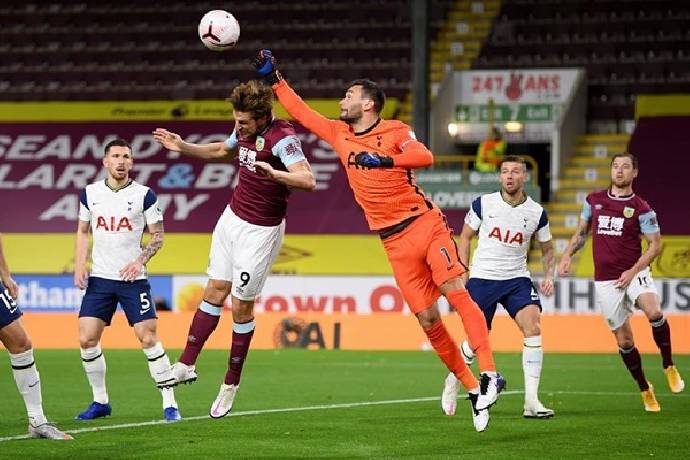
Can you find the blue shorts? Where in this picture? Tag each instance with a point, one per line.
(9, 311)
(102, 296)
(514, 294)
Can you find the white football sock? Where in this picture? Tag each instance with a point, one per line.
(159, 367)
(532, 357)
(94, 366)
(29, 385)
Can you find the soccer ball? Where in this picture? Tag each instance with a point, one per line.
(219, 30)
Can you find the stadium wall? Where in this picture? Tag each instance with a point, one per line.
(346, 312)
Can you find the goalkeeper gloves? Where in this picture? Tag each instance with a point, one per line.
(373, 160)
(265, 65)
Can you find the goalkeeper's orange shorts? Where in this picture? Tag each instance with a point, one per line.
(423, 255)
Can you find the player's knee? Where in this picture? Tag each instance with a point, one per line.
(427, 318)
(625, 342)
(654, 314)
(242, 310)
(148, 340)
(86, 341)
(20, 345)
(216, 291)
(531, 330)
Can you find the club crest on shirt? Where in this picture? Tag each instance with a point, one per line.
(260, 143)
(628, 212)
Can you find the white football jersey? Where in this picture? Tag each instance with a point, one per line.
(117, 219)
(504, 233)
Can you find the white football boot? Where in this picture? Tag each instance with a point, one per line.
(490, 385)
(223, 403)
(480, 418)
(183, 373)
(449, 397)
(48, 431)
(535, 409)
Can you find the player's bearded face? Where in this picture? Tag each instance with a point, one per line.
(351, 105)
(118, 161)
(622, 172)
(513, 176)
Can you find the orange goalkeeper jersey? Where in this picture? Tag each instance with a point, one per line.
(387, 195)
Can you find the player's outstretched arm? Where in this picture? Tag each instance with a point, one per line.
(548, 261)
(174, 142)
(81, 275)
(651, 253)
(132, 270)
(265, 65)
(413, 154)
(6, 276)
(576, 243)
(298, 175)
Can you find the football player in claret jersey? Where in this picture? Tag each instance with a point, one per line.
(14, 338)
(116, 211)
(617, 219)
(379, 157)
(506, 221)
(249, 234)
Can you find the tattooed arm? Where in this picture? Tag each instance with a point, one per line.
(132, 270)
(576, 243)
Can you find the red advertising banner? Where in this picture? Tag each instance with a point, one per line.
(43, 167)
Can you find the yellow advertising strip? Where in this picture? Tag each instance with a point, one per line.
(53, 253)
(662, 105)
(103, 111)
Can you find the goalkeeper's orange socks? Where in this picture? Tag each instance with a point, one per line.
(448, 351)
(204, 323)
(475, 327)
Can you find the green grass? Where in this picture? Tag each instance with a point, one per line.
(598, 409)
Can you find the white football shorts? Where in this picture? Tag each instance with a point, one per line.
(243, 253)
(617, 304)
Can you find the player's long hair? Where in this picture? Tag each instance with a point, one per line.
(253, 97)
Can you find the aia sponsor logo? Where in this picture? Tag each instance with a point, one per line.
(113, 224)
(506, 236)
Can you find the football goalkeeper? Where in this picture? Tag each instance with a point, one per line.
(379, 157)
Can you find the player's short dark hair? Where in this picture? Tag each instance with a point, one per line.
(371, 90)
(513, 159)
(253, 97)
(116, 143)
(632, 157)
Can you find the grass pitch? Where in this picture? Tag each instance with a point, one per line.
(299, 403)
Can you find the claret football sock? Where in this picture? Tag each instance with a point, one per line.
(475, 327)
(204, 323)
(662, 337)
(242, 334)
(633, 361)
